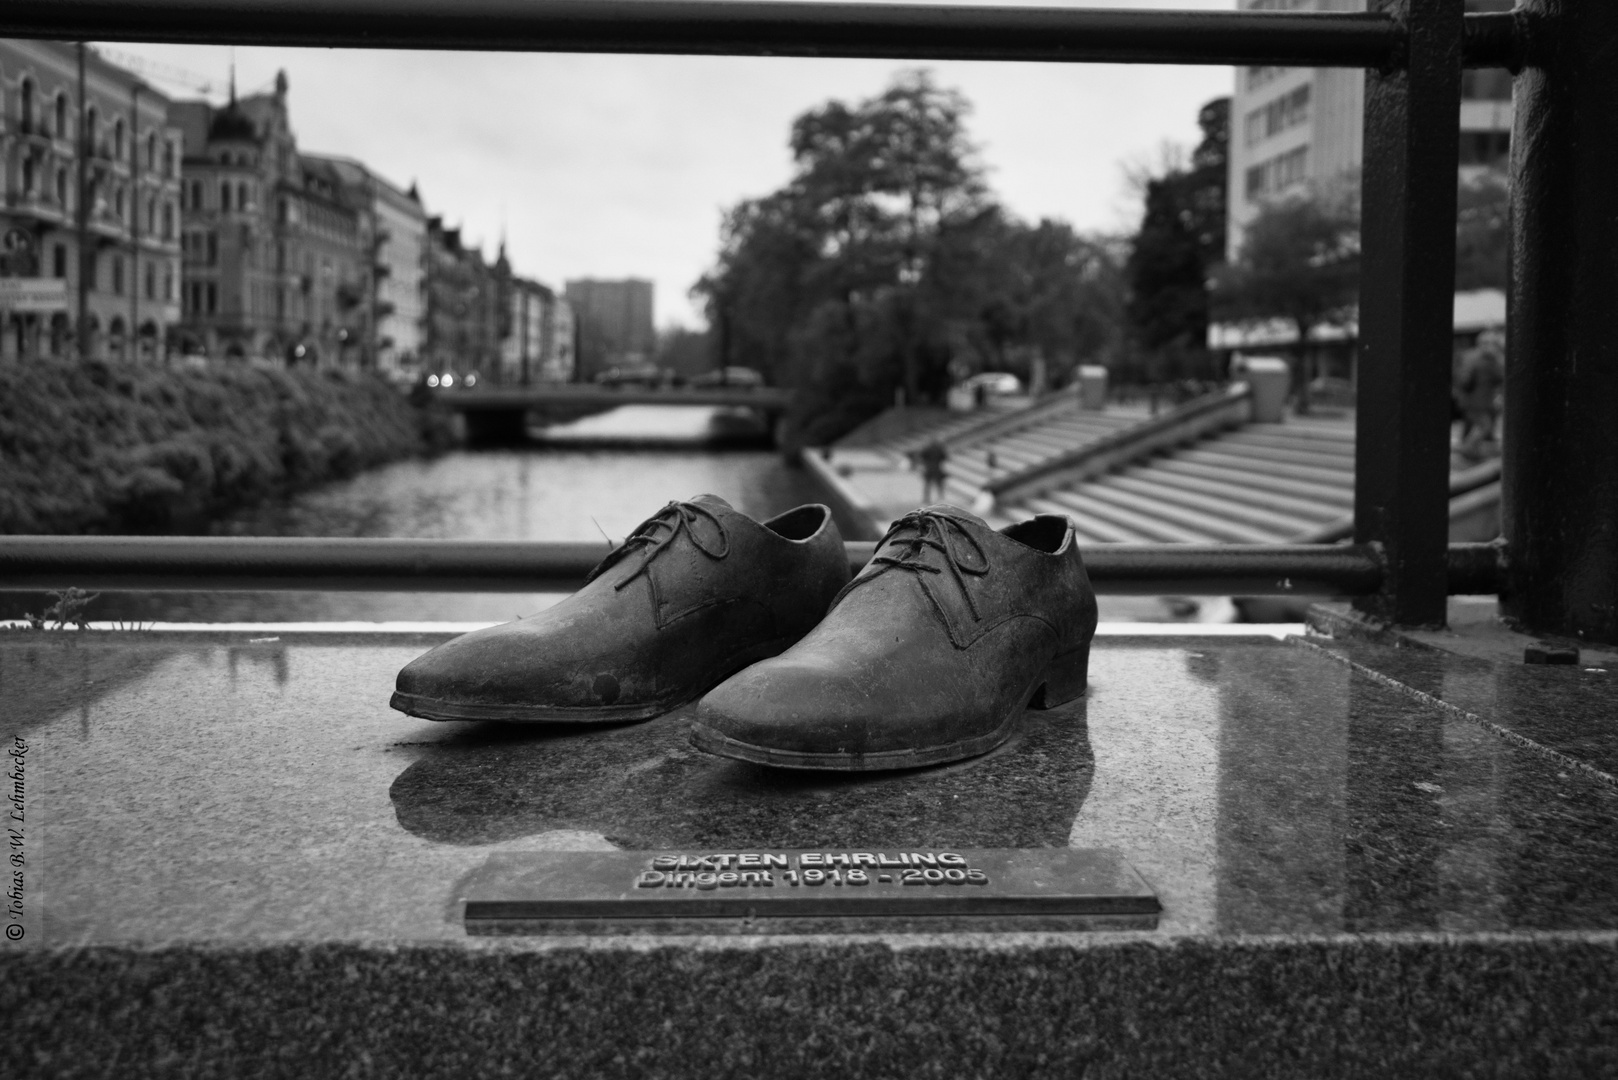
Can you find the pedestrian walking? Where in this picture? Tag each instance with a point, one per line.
(932, 458)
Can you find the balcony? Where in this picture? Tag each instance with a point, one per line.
(36, 205)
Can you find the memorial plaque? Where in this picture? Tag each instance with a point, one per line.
(797, 884)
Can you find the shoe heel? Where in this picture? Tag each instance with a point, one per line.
(1065, 679)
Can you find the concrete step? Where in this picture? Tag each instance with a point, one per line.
(1230, 503)
(1147, 526)
(1089, 528)
(1239, 488)
(1211, 454)
(1234, 446)
(1291, 444)
(1338, 494)
(1200, 524)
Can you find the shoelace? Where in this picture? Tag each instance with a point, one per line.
(933, 530)
(676, 516)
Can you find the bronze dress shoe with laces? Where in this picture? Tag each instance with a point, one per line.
(929, 655)
(697, 592)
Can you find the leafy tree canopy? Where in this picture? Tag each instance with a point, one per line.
(885, 263)
(1180, 242)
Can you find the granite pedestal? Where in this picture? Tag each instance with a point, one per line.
(1371, 859)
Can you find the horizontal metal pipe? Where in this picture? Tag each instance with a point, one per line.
(251, 563)
(729, 27)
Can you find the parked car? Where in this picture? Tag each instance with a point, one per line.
(631, 375)
(729, 376)
(994, 383)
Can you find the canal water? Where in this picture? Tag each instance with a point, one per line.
(585, 481)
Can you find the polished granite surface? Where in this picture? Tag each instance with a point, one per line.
(217, 788)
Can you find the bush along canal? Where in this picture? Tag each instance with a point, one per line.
(113, 448)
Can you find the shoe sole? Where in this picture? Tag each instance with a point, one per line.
(428, 708)
(438, 709)
(1064, 680)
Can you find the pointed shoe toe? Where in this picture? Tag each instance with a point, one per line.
(697, 592)
(929, 655)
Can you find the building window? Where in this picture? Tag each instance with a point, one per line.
(168, 221)
(118, 275)
(27, 105)
(60, 109)
(168, 159)
(213, 248)
(196, 194)
(213, 298)
(224, 195)
(151, 151)
(118, 203)
(118, 140)
(27, 175)
(1277, 174)
(151, 282)
(59, 261)
(1287, 111)
(90, 119)
(61, 188)
(241, 195)
(168, 285)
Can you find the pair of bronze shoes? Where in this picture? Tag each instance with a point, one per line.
(928, 655)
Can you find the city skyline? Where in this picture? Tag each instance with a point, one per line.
(621, 165)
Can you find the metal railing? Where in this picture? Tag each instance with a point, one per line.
(1560, 471)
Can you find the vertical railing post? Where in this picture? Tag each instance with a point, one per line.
(1401, 478)
(1559, 473)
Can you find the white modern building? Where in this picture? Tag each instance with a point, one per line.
(1290, 126)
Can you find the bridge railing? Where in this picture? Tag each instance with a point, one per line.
(1560, 471)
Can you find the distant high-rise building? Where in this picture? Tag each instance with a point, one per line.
(1289, 126)
(614, 323)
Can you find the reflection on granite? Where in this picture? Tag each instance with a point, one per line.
(205, 788)
(645, 787)
(1570, 709)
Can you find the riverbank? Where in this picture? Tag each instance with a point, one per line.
(114, 448)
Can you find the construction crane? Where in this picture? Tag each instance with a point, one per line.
(153, 71)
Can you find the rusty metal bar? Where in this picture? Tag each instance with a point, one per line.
(750, 28)
(1407, 286)
(1560, 466)
(379, 565)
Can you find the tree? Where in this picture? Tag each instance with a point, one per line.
(1180, 242)
(1299, 261)
(1482, 230)
(857, 228)
(885, 264)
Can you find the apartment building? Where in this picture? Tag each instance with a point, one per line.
(89, 228)
(1290, 126)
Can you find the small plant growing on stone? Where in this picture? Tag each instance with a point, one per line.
(67, 607)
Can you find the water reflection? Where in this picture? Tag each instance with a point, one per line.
(576, 492)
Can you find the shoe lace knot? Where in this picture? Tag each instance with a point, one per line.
(656, 533)
(921, 531)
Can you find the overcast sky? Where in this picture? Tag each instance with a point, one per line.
(619, 166)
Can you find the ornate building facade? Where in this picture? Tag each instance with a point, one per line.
(89, 230)
(465, 318)
(393, 235)
(277, 244)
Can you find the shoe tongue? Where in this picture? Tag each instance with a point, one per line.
(713, 501)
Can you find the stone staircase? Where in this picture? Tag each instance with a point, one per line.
(1260, 483)
(979, 458)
